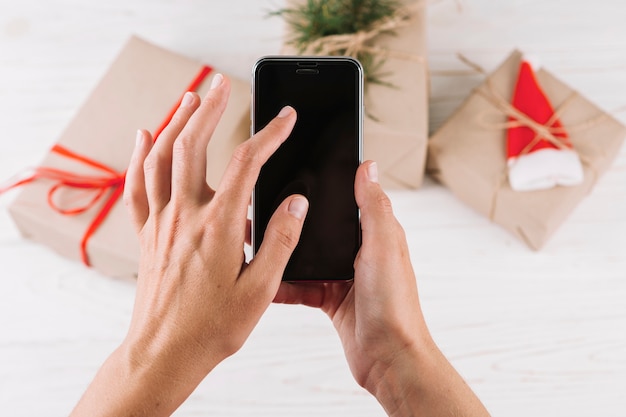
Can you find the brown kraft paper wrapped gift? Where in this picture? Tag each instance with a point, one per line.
(396, 137)
(470, 159)
(138, 91)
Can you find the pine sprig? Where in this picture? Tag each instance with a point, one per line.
(315, 19)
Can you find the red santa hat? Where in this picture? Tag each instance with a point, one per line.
(544, 165)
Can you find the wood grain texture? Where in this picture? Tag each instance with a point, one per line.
(535, 334)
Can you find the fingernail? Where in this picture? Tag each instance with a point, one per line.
(217, 81)
(285, 111)
(372, 172)
(138, 138)
(187, 99)
(298, 207)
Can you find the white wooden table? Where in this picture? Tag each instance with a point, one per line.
(535, 334)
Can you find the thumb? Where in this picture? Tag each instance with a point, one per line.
(375, 206)
(382, 234)
(280, 239)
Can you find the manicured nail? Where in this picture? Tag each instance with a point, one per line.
(217, 81)
(298, 207)
(187, 99)
(138, 138)
(285, 111)
(372, 172)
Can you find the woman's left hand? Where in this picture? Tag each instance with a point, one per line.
(197, 300)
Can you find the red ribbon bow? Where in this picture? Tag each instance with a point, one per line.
(109, 181)
(98, 184)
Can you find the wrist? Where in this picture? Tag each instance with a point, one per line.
(139, 381)
(421, 381)
(149, 383)
(127, 385)
(161, 353)
(397, 382)
(170, 366)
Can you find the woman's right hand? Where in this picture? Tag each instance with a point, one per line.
(379, 320)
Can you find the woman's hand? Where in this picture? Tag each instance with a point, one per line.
(378, 315)
(197, 300)
(379, 320)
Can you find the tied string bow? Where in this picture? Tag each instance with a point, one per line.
(108, 185)
(351, 44)
(550, 132)
(99, 185)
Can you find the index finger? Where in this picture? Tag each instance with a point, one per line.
(242, 171)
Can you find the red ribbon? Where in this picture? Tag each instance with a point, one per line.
(108, 181)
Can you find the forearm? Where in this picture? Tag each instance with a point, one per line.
(423, 383)
(130, 384)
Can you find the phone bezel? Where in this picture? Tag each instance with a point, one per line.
(361, 111)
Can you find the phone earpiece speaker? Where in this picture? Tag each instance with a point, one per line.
(307, 71)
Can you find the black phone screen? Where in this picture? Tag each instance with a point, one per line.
(318, 160)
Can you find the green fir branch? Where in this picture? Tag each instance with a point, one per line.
(315, 19)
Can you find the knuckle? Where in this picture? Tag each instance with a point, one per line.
(177, 122)
(212, 104)
(285, 238)
(177, 119)
(384, 203)
(151, 163)
(182, 143)
(180, 117)
(245, 154)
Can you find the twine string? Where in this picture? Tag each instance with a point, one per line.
(352, 44)
(553, 134)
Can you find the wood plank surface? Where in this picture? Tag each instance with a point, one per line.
(534, 333)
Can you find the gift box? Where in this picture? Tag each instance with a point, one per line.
(468, 155)
(396, 111)
(80, 213)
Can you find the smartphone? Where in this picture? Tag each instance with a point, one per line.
(318, 160)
